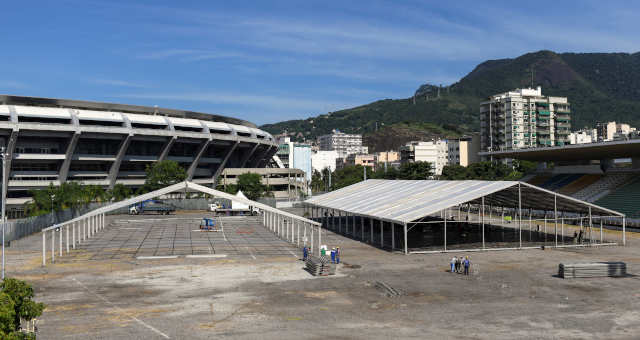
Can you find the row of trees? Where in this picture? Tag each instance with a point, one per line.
(158, 175)
(420, 170)
(73, 194)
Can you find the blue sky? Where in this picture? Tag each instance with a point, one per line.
(277, 60)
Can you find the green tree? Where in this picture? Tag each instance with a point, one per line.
(415, 170)
(120, 192)
(317, 181)
(250, 184)
(454, 172)
(162, 174)
(16, 303)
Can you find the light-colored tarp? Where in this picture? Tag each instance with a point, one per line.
(404, 201)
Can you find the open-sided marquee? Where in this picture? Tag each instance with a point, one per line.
(408, 201)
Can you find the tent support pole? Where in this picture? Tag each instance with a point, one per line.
(555, 216)
(406, 248)
(445, 233)
(520, 215)
(483, 245)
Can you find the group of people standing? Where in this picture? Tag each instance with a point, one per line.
(458, 264)
(335, 253)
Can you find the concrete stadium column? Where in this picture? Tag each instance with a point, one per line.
(362, 228)
(215, 176)
(115, 167)
(381, 233)
(10, 149)
(166, 148)
(64, 168)
(339, 221)
(605, 164)
(263, 160)
(73, 234)
(194, 165)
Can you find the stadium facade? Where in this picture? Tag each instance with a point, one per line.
(57, 140)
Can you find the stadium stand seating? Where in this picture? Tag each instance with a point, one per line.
(579, 184)
(538, 180)
(558, 181)
(604, 186)
(625, 199)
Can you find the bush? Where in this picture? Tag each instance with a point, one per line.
(15, 304)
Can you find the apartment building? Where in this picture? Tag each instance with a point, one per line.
(524, 118)
(344, 144)
(464, 151)
(434, 152)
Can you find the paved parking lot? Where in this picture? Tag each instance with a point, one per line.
(153, 236)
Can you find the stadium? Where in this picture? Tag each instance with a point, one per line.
(58, 140)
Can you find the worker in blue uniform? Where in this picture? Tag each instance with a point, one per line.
(305, 253)
(333, 255)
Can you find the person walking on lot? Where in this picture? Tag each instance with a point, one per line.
(454, 260)
(467, 263)
(338, 253)
(333, 255)
(458, 262)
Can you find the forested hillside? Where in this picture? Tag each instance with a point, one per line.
(599, 86)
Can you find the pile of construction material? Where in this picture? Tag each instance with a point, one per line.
(596, 269)
(320, 266)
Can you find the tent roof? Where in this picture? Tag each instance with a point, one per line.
(241, 194)
(404, 201)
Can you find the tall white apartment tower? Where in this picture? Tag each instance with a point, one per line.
(344, 144)
(523, 118)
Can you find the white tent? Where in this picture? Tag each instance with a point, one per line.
(239, 205)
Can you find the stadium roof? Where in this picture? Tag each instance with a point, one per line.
(101, 106)
(575, 152)
(404, 201)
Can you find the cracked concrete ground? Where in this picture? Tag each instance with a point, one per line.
(510, 294)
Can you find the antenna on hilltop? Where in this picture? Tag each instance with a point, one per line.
(532, 76)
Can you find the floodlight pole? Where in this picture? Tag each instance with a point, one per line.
(3, 154)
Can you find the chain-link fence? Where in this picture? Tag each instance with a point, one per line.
(27, 226)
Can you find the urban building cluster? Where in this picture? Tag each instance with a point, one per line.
(604, 132)
(517, 119)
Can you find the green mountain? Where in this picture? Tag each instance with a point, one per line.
(599, 86)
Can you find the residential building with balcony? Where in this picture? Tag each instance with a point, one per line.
(524, 118)
(343, 143)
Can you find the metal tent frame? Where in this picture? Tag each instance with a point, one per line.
(290, 227)
(404, 203)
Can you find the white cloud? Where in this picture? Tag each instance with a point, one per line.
(287, 103)
(115, 82)
(12, 84)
